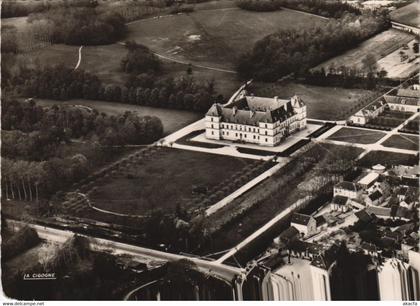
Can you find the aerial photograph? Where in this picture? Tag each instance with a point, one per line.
(210, 150)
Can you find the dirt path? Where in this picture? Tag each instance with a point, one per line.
(80, 58)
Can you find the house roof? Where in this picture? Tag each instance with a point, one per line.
(340, 200)
(378, 211)
(375, 196)
(303, 246)
(363, 215)
(401, 100)
(373, 106)
(348, 186)
(369, 178)
(320, 220)
(300, 219)
(409, 227)
(408, 92)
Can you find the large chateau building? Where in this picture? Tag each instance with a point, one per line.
(258, 120)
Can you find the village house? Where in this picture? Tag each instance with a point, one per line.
(402, 104)
(340, 203)
(257, 120)
(375, 198)
(305, 224)
(348, 189)
(404, 100)
(368, 180)
(369, 112)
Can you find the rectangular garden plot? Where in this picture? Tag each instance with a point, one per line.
(167, 179)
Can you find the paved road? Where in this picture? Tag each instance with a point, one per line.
(213, 268)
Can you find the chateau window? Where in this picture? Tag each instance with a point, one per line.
(245, 135)
(212, 126)
(265, 132)
(236, 134)
(212, 119)
(254, 136)
(212, 132)
(266, 140)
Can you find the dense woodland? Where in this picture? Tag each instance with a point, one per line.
(37, 158)
(260, 5)
(296, 51)
(335, 9)
(139, 59)
(24, 8)
(82, 25)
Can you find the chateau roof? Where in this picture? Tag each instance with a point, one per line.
(250, 117)
(251, 110)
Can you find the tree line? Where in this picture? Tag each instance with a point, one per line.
(81, 25)
(63, 83)
(334, 9)
(24, 8)
(260, 5)
(297, 50)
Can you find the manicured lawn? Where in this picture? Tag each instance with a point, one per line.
(326, 103)
(172, 120)
(412, 126)
(164, 180)
(403, 142)
(356, 136)
(388, 159)
(390, 118)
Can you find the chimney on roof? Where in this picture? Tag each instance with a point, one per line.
(234, 109)
(251, 113)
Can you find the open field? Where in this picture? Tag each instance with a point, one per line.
(380, 46)
(326, 103)
(409, 14)
(388, 159)
(172, 120)
(398, 67)
(214, 37)
(149, 184)
(356, 136)
(403, 142)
